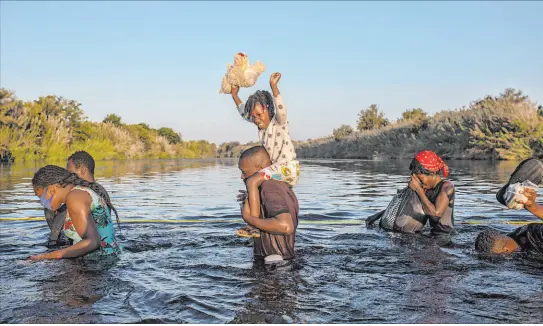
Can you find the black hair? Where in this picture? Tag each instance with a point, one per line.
(52, 174)
(252, 151)
(416, 167)
(82, 158)
(264, 98)
(486, 240)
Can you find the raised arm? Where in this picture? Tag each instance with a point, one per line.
(240, 106)
(235, 97)
(281, 108)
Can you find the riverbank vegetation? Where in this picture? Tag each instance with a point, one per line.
(52, 128)
(504, 127)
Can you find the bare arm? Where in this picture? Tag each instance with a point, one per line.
(240, 106)
(442, 202)
(235, 97)
(281, 108)
(254, 194)
(279, 224)
(78, 203)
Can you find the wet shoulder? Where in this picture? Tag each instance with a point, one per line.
(94, 198)
(78, 194)
(448, 187)
(269, 186)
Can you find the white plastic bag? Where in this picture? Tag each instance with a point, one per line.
(514, 199)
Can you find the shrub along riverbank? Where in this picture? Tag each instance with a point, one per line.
(504, 127)
(52, 128)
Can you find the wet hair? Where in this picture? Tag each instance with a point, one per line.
(253, 151)
(264, 98)
(82, 158)
(486, 240)
(416, 168)
(52, 174)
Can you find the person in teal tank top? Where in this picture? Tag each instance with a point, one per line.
(88, 219)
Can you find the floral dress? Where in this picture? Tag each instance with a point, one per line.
(101, 214)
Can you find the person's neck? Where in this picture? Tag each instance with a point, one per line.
(88, 178)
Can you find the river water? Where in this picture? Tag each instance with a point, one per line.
(198, 271)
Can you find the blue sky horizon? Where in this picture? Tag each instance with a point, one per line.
(161, 63)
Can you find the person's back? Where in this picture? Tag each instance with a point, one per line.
(82, 164)
(101, 215)
(277, 198)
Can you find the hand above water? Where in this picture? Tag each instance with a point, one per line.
(530, 203)
(530, 195)
(48, 255)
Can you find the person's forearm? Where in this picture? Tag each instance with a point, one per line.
(270, 225)
(536, 209)
(79, 249)
(254, 194)
(428, 207)
(236, 99)
(275, 90)
(254, 201)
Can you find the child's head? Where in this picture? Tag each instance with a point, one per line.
(253, 160)
(260, 108)
(82, 164)
(492, 242)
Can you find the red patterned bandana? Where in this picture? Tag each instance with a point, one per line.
(432, 162)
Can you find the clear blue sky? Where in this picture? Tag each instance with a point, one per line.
(162, 62)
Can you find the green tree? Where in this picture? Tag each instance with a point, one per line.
(172, 136)
(68, 111)
(540, 110)
(144, 126)
(371, 118)
(113, 119)
(414, 114)
(342, 132)
(10, 107)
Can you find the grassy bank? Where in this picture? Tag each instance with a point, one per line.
(52, 128)
(504, 127)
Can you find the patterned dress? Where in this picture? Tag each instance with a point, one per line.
(101, 214)
(276, 140)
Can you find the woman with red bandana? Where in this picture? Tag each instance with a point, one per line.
(436, 194)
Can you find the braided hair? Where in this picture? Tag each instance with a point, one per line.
(52, 174)
(264, 98)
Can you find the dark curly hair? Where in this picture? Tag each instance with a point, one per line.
(486, 240)
(416, 167)
(52, 174)
(82, 158)
(264, 98)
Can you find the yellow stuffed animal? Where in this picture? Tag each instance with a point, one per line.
(241, 74)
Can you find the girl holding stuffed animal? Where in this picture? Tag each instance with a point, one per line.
(269, 114)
